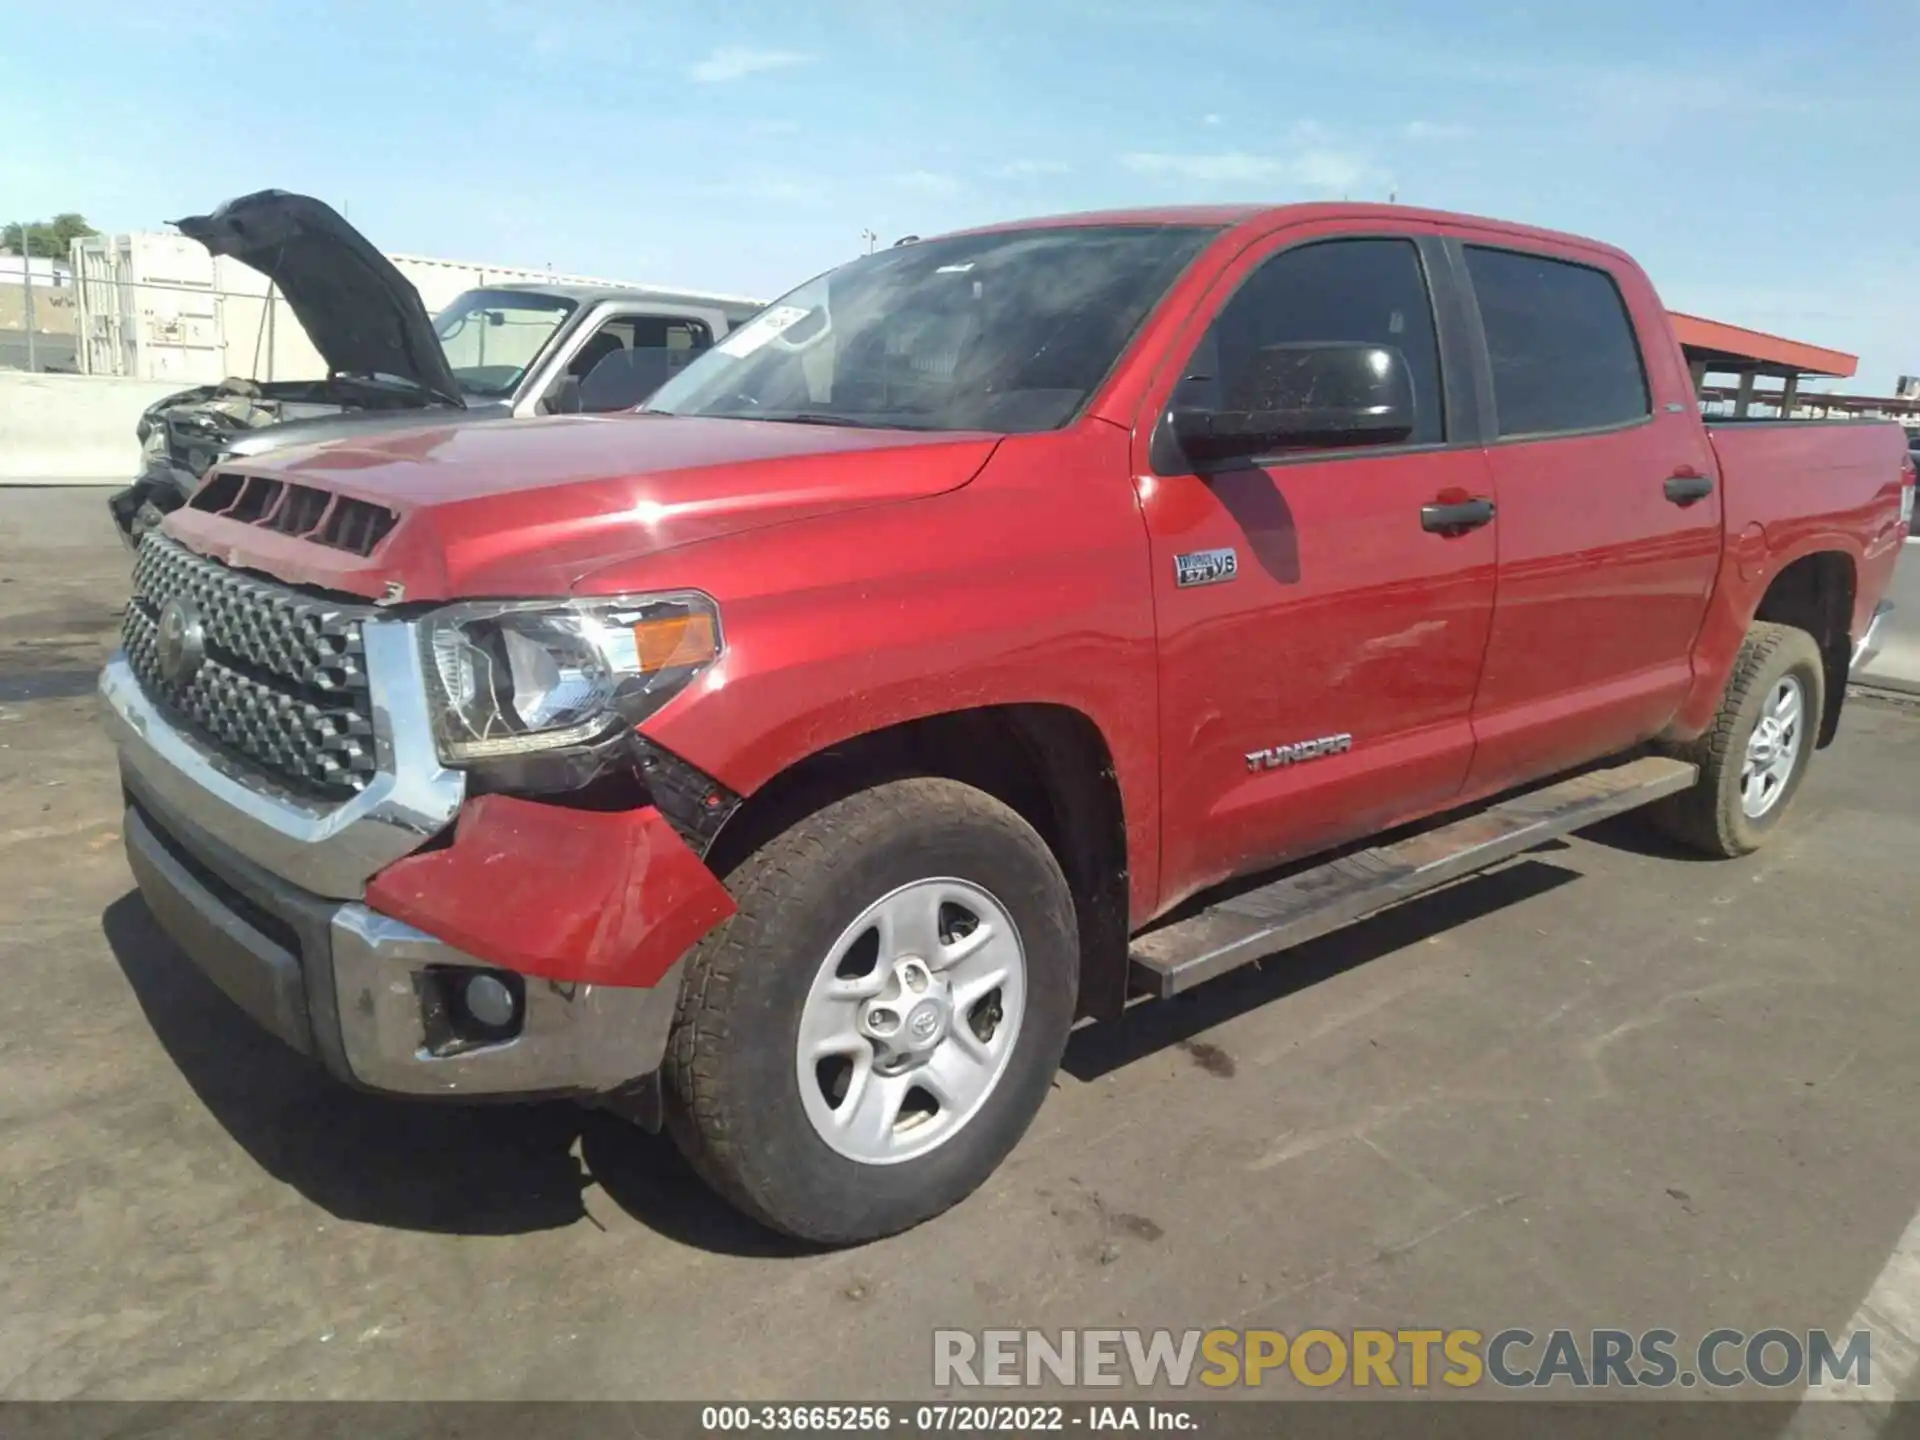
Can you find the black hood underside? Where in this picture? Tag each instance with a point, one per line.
(363, 315)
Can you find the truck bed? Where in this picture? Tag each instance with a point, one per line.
(1814, 484)
(1834, 472)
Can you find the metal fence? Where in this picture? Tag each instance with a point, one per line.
(108, 324)
(157, 306)
(148, 329)
(153, 305)
(37, 325)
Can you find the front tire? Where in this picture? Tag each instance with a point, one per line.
(872, 1032)
(1754, 755)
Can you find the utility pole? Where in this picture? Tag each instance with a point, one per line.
(26, 296)
(871, 239)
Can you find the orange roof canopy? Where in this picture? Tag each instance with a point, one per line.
(1732, 348)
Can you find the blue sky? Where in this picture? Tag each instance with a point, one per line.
(1757, 157)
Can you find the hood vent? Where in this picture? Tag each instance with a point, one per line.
(336, 521)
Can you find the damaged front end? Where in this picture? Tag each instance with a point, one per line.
(182, 435)
(384, 363)
(508, 926)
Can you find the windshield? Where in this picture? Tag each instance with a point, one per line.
(492, 336)
(1007, 332)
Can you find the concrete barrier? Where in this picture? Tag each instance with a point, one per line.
(72, 429)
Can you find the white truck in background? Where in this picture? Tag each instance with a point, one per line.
(497, 352)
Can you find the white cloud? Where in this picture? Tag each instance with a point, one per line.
(1435, 130)
(560, 31)
(1313, 168)
(1217, 168)
(1330, 170)
(1210, 119)
(1026, 169)
(927, 182)
(735, 62)
(795, 190)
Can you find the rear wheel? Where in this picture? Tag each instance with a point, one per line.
(860, 1046)
(1754, 755)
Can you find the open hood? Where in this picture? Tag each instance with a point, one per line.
(362, 315)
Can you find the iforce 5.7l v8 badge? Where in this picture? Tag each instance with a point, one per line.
(1205, 567)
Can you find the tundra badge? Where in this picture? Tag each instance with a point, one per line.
(1205, 567)
(1279, 756)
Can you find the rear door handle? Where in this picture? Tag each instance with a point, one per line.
(1685, 489)
(1455, 518)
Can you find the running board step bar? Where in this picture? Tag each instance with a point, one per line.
(1256, 923)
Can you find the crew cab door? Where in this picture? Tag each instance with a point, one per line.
(1609, 510)
(1300, 596)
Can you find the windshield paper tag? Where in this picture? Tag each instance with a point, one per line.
(762, 328)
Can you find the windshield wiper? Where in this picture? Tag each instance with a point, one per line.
(816, 417)
(821, 417)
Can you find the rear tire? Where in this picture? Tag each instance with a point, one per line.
(840, 902)
(1754, 755)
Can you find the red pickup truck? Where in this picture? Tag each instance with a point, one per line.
(997, 627)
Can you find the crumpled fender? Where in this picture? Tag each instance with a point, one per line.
(602, 898)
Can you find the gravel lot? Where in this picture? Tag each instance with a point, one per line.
(1602, 1086)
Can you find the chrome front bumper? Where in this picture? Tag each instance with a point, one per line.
(1868, 645)
(330, 850)
(263, 892)
(345, 985)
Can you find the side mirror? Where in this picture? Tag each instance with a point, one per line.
(1297, 396)
(565, 399)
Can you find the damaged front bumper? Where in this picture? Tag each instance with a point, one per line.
(328, 930)
(161, 489)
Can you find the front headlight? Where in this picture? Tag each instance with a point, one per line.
(508, 677)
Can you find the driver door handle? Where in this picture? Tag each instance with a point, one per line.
(1456, 518)
(1687, 487)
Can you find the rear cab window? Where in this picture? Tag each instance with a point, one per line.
(1561, 343)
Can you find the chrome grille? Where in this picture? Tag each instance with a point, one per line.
(283, 683)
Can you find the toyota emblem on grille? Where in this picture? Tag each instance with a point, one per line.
(183, 642)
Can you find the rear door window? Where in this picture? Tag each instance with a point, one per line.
(1564, 354)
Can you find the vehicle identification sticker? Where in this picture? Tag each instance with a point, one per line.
(762, 328)
(1205, 567)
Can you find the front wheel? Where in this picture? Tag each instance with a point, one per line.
(1754, 755)
(861, 1045)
